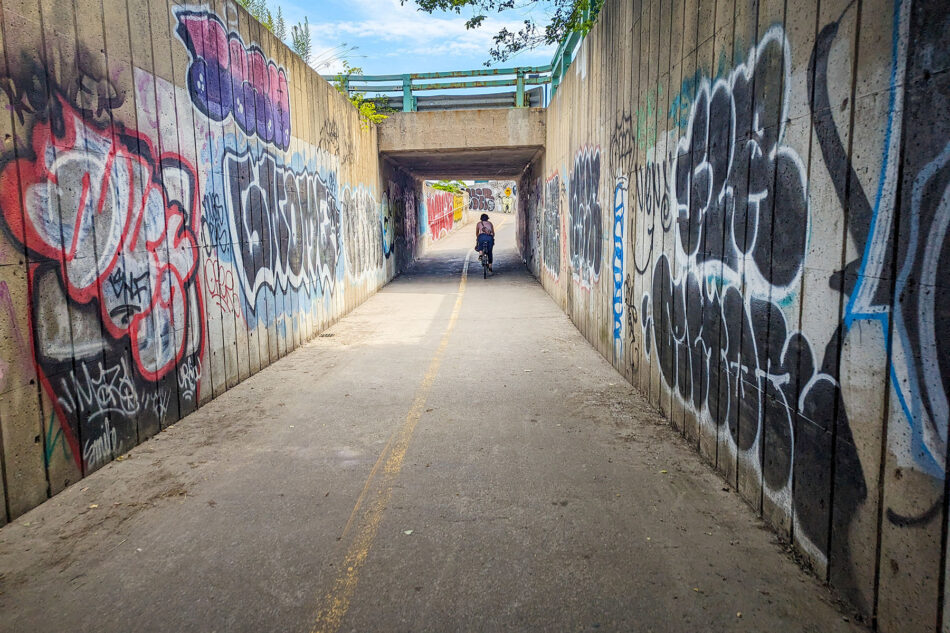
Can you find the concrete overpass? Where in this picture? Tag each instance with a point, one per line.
(464, 144)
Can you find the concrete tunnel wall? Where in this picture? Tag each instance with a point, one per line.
(744, 204)
(182, 203)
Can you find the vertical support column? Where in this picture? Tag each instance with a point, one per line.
(408, 101)
(519, 95)
(565, 62)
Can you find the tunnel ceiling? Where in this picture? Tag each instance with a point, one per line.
(493, 163)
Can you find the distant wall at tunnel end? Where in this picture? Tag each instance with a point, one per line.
(745, 207)
(444, 212)
(175, 215)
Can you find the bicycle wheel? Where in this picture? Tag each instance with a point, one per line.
(485, 268)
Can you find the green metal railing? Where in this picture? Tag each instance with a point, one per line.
(408, 83)
(520, 77)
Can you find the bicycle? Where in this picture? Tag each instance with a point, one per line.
(483, 258)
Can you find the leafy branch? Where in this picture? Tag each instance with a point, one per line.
(564, 17)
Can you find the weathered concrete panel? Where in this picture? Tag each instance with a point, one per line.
(463, 143)
(462, 129)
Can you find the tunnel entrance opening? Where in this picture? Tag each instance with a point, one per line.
(451, 205)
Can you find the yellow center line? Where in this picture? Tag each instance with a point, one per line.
(337, 602)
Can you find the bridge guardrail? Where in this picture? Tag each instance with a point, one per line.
(520, 77)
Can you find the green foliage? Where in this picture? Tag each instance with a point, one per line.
(300, 40)
(452, 186)
(280, 26)
(369, 110)
(258, 9)
(566, 17)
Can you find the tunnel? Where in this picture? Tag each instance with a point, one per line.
(254, 376)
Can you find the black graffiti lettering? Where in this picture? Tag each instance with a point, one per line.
(586, 223)
(134, 289)
(713, 318)
(623, 142)
(362, 232)
(652, 182)
(551, 228)
(286, 226)
(481, 199)
(215, 224)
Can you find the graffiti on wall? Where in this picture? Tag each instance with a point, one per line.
(387, 217)
(620, 210)
(585, 218)
(623, 142)
(226, 78)
(551, 226)
(410, 214)
(285, 225)
(110, 224)
(652, 181)
(897, 279)
(713, 317)
(142, 222)
(493, 195)
(362, 230)
(481, 198)
(440, 208)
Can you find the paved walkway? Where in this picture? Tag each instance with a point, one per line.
(454, 457)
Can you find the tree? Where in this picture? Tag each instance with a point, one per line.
(563, 17)
(258, 9)
(300, 40)
(452, 186)
(280, 27)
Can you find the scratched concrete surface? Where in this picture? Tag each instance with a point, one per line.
(542, 494)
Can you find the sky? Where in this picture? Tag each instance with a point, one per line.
(391, 38)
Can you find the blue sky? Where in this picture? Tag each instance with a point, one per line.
(393, 38)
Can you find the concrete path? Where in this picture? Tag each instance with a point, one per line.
(450, 457)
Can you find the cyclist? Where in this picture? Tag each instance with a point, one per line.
(485, 237)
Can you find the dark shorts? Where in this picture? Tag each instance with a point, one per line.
(485, 244)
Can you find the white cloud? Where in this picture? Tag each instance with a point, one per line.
(403, 30)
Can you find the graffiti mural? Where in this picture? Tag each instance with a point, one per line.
(410, 214)
(388, 219)
(481, 199)
(362, 232)
(653, 208)
(440, 208)
(226, 78)
(912, 249)
(623, 142)
(585, 218)
(620, 210)
(160, 241)
(285, 225)
(713, 318)
(551, 226)
(111, 225)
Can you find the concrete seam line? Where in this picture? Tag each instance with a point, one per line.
(337, 601)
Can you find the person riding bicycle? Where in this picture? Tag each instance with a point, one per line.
(485, 237)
